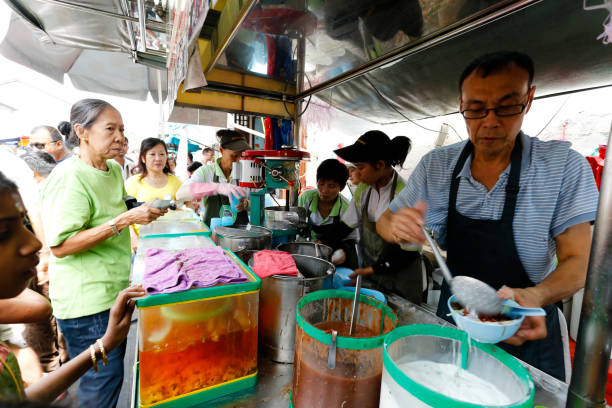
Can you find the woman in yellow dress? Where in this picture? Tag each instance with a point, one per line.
(154, 180)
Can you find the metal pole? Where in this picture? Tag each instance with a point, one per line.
(592, 358)
(297, 122)
(151, 25)
(142, 16)
(126, 8)
(221, 47)
(161, 104)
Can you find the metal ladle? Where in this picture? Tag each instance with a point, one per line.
(473, 294)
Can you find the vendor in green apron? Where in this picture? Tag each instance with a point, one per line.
(387, 265)
(511, 210)
(325, 208)
(212, 182)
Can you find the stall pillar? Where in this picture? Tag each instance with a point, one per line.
(592, 358)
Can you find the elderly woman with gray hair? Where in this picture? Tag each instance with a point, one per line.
(86, 226)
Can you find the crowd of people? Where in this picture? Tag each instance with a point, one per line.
(511, 210)
(66, 301)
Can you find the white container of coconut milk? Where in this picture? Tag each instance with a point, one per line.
(435, 366)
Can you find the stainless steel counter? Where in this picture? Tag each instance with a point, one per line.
(274, 380)
(274, 384)
(550, 392)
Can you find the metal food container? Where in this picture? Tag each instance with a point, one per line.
(307, 248)
(240, 238)
(279, 219)
(278, 299)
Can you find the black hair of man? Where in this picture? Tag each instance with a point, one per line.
(190, 156)
(207, 150)
(53, 132)
(495, 62)
(332, 169)
(194, 166)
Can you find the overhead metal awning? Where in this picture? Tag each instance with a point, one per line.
(383, 60)
(558, 34)
(106, 25)
(387, 61)
(94, 42)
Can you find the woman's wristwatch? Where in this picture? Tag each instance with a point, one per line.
(113, 226)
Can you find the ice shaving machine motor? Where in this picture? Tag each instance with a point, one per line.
(264, 171)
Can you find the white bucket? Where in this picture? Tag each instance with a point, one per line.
(445, 345)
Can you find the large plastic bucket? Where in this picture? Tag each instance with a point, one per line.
(417, 343)
(354, 379)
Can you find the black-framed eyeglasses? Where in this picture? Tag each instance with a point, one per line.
(500, 111)
(41, 146)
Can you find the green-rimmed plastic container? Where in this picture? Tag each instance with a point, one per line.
(198, 345)
(169, 242)
(354, 380)
(166, 228)
(421, 342)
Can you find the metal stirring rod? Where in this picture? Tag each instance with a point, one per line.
(355, 310)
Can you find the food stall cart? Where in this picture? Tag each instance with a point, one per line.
(274, 380)
(269, 58)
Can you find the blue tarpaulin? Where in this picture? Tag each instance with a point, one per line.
(193, 146)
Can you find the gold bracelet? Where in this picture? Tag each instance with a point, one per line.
(101, 347)
(92, 352)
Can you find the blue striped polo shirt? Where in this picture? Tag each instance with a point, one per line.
(557, 190)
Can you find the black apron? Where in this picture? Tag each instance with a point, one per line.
(323, 230)
(485, 250)
(407, 280)
(213, 207)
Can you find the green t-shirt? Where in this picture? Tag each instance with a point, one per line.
(311, 198)
(77, 197)
(11, 384)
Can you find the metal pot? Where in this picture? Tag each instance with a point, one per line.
(278, 218)
(307, 248)
(239, 238)
(278, 299)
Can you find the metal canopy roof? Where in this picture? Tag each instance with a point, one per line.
(558, 34)
(95, 42)
(371, 58)
(377, 58)
(107, 25)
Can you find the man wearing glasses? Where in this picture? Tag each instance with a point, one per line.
(48, 138)
(510, 209)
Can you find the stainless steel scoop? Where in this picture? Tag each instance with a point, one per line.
(473, 294)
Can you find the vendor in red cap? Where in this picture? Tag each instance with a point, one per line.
(387, 265)
(212, 182)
